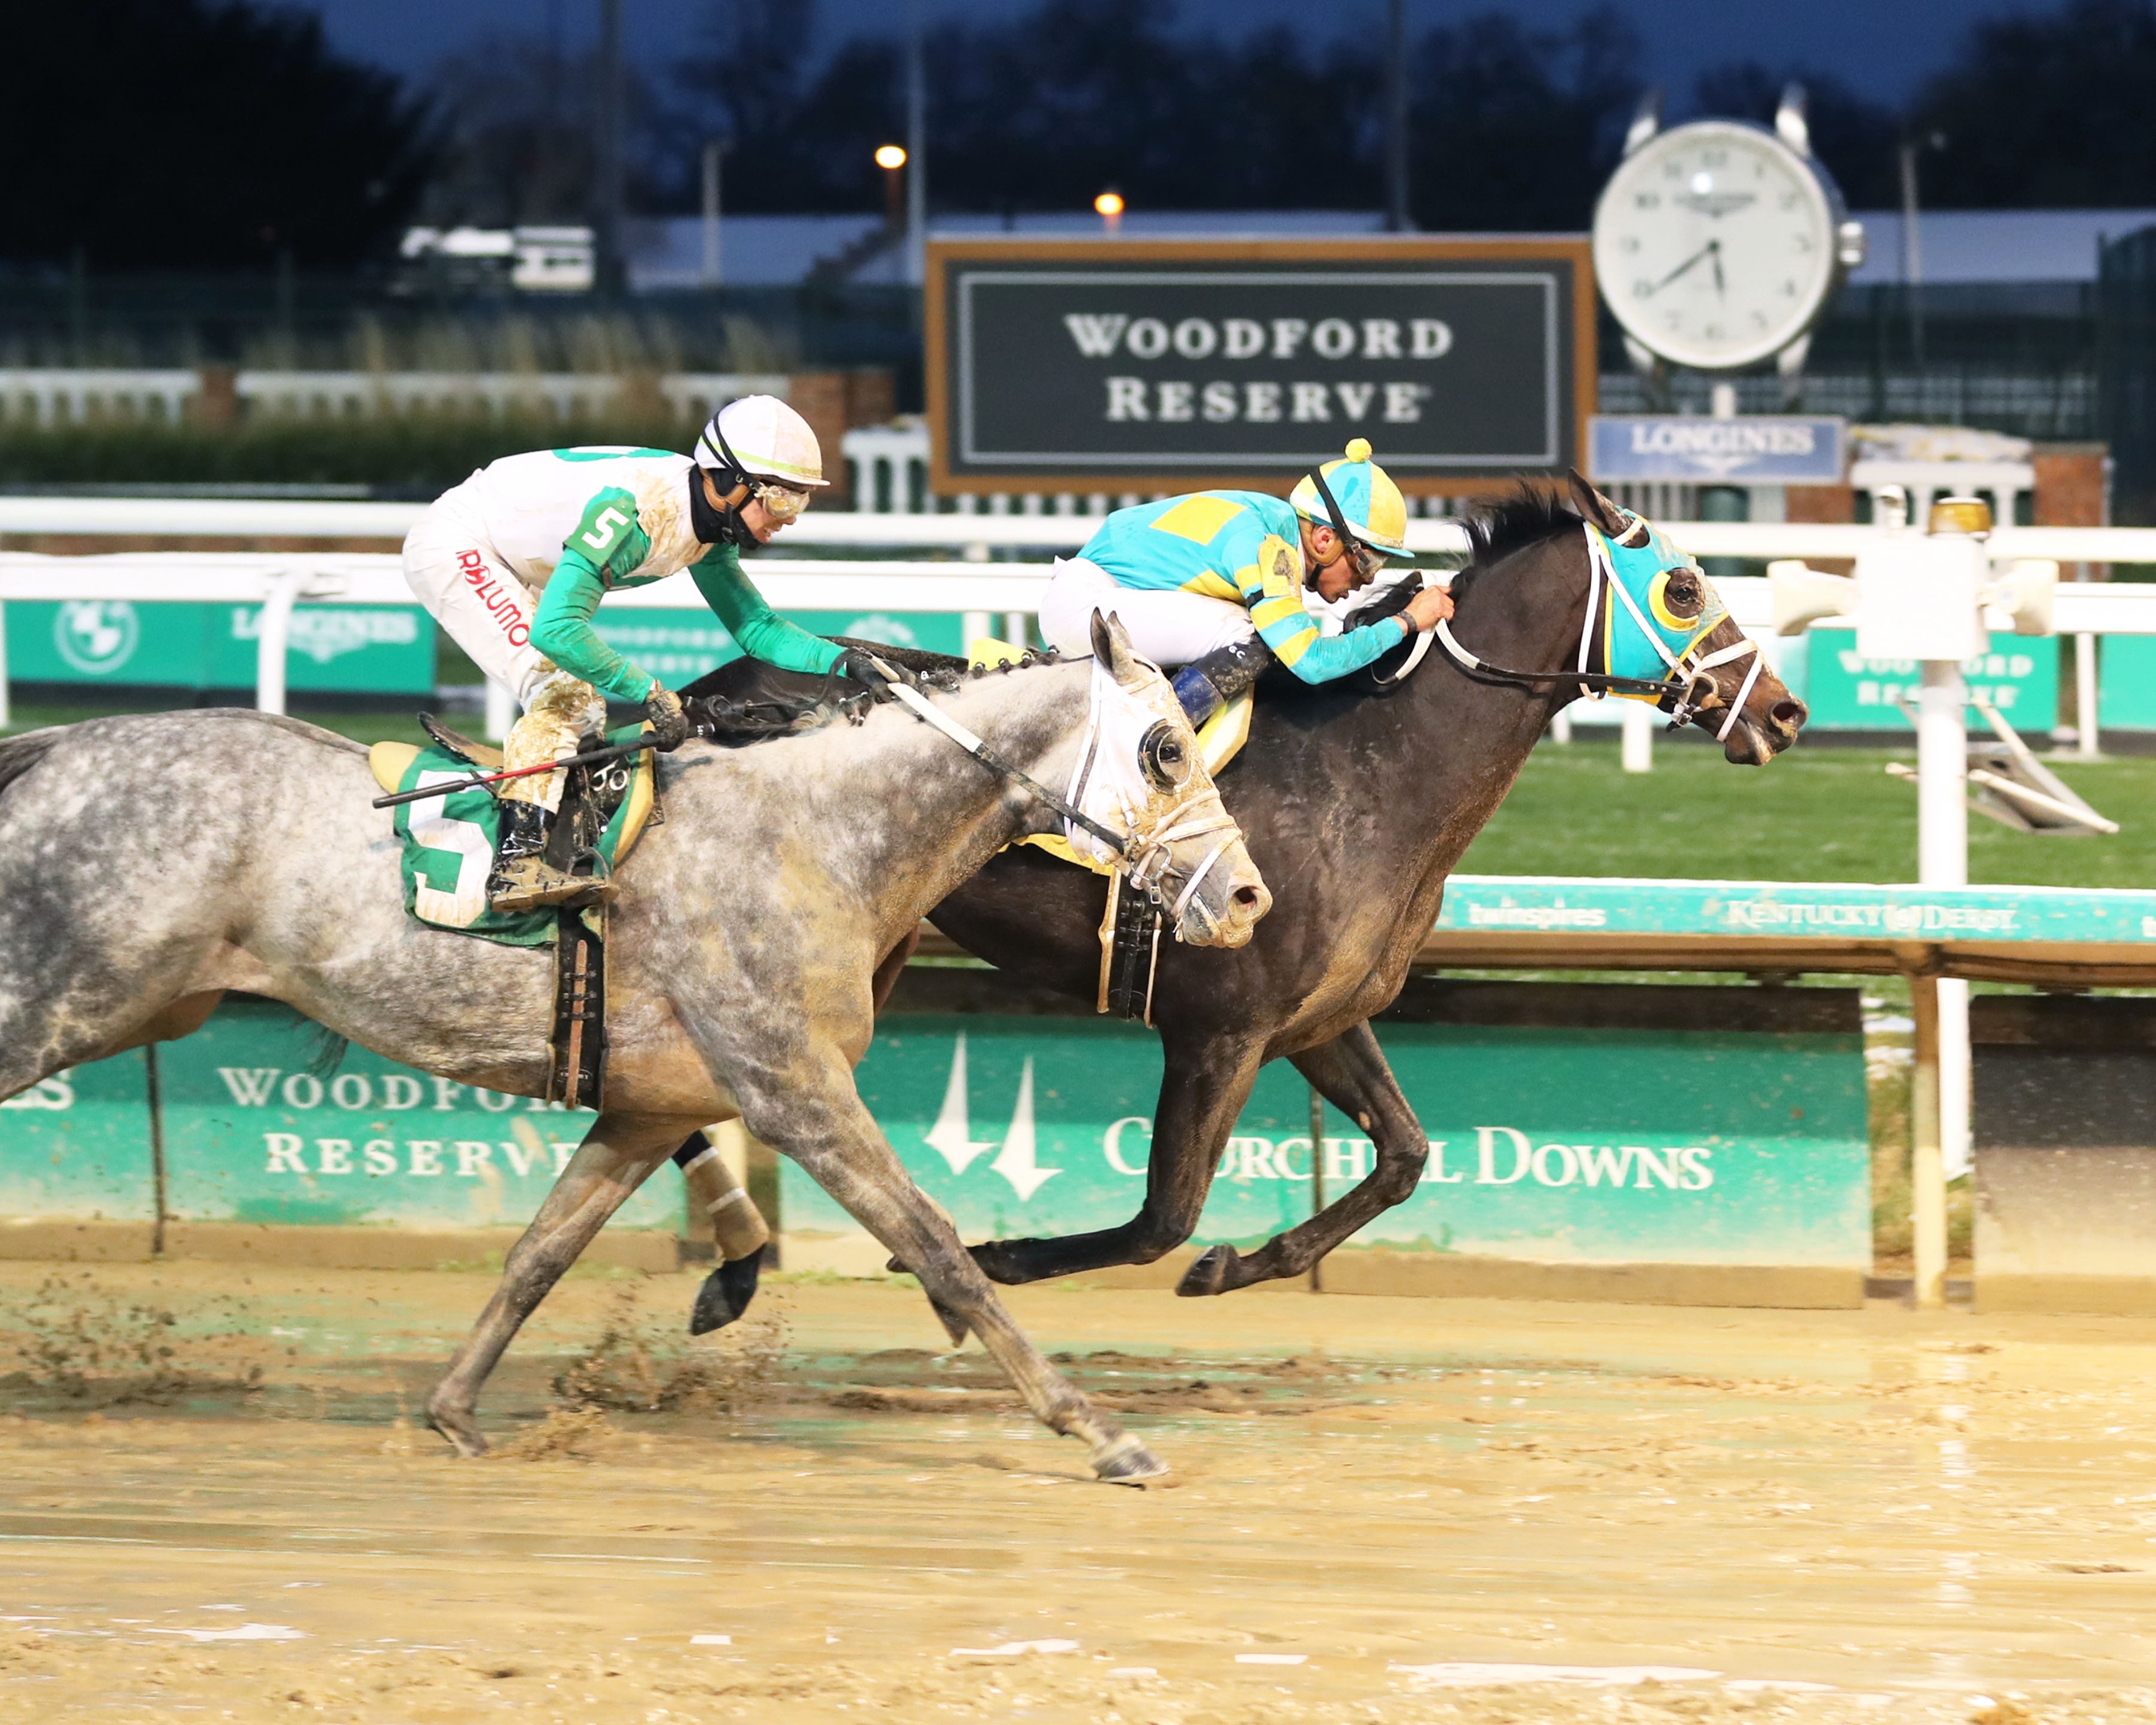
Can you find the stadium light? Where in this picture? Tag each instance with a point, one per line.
(891, 159)
(1109, 205)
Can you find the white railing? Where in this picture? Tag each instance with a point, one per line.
(978, 592)
(64, 396)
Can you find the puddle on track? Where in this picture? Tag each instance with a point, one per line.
(1386, 1509)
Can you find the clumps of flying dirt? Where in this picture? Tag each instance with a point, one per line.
(642, 1364)
(565, 1434)
(76, 1341)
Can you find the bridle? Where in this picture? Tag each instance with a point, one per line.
(1686, 688)
(1142, 855)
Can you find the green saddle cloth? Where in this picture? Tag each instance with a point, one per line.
(449, 847)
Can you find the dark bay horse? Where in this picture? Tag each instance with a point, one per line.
(1356, 806)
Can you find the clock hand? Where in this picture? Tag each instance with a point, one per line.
(1719, 286)
(1711, 250)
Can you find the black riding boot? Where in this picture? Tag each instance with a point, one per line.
(523, 879)
(1206, 684)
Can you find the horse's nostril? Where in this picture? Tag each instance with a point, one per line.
(1245, 896)
(1790, 713)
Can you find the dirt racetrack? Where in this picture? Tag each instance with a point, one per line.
(1388, 1510)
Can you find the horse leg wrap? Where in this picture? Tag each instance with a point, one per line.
(736, 1224)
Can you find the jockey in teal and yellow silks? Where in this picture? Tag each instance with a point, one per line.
(1215, 582)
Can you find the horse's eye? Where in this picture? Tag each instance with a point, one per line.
(1682, 594)
(1162, 753)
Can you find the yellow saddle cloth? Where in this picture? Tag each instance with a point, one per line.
(1220, 739)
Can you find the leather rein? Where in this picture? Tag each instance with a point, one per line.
(1144, 857)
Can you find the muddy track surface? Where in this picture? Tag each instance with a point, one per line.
(215, 1498)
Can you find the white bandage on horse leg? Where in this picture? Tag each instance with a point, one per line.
(736, 1224)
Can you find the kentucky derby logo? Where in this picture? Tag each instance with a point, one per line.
(952, 1138)
(96, 636)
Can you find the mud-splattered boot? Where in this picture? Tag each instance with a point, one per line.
(1206, 684)
(523, 879)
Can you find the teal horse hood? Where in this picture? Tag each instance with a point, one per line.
(1642, 635)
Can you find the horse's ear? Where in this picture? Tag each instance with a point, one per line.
(1594, 506)
(1104, 640)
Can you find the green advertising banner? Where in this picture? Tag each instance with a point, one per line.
(76, 1146)
(388, 649)
(677, 647)
(2019, 676)
(1727, 1148)
(258, 1127)
(2126, 683)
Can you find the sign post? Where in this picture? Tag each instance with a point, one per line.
(1145, 366)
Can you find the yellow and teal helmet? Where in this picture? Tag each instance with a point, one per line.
(1370, 504)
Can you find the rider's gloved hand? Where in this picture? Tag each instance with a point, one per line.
(860, 666)
(668, 718)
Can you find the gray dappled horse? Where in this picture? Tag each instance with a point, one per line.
(1357, 805)
(149, 864)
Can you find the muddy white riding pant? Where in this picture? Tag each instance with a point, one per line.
(488, 611)
(1169, 627)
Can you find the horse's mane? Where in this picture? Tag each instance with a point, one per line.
(1526, 516)
(746, 702)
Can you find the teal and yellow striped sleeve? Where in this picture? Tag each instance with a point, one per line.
(1268, 573)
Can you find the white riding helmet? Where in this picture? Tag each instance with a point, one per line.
(760, 437)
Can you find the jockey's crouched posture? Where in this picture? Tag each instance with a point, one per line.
(1213, 582)
(514, 562)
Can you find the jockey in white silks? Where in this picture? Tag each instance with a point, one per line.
(515, 562)
(1215, 582)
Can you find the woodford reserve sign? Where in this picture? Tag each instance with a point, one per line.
(1141, 365)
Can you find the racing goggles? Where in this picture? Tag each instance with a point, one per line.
(781, 503)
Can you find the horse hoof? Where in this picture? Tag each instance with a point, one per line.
(465, 1437)
(1128, 1462)
(955, 1326)
(1210, 1274)
(726, 1293)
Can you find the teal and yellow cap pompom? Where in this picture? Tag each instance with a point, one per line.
(1377, 514)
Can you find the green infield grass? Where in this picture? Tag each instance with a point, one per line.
(1814, 814)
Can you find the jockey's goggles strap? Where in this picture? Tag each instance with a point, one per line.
(1366, 560)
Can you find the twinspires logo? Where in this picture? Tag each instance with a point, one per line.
(96, 636)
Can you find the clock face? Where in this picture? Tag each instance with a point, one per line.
(1714, 244)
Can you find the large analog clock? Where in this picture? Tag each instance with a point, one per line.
(1717, 244)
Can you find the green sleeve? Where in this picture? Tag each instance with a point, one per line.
(607, 539)
(562, 631)
(762, 633)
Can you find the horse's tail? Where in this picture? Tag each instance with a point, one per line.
(20, 754)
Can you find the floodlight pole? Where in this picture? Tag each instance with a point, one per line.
(713, 153)
(1397, 219)
(917, 148)
(606, 154)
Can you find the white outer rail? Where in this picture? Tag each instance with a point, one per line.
(201, 517)
(281, 579)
